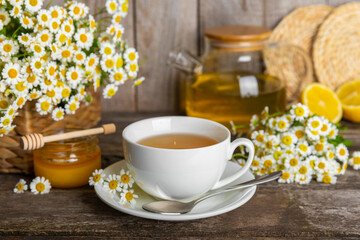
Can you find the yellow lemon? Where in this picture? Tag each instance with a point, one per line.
(322, 101)
(349, 95)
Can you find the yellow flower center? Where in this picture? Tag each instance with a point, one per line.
(321, 165)
(268, 144)
(97, 177)
(62, 38)
(132, 56)
(119, 63)
(37, 49)
(129, 196)
(74, 75)
(66, 54)
(3, 17)
(285, 176)
(20, 86)
(124, 7)
(40, 187)
(33, 95)
(65, 93)
(107, 51)
(12, 73)
(50, 93)
(277, 155)
(113, 184)
(76, 10)
(44, 37)
(2, 131)
(267, 163)
(255, 163)
(59, 114)
(26, 21)
(327, 179)
(133, 67)
(45, 106)
(7, 48)
(282, 124)
(91, 62)
(299, 111)
(293, 162)
(117, 18)
(79, 57)
(6, 122)
(72, 107)
(118, 34)
(92, 24)
(20, 101)
(356, 160)
(109, 63)
(303, 170)
(55, 25)
(44, 18)
(111, 92)
(118, 76)
(260, 138)
(315, 124)
(83, 38)
(299, 134)
(331, 155)
(31, 79)
(125, 178)
(287, 140)
(112, 6)
(33, 3)
(342, 152)
(324, 128)
(319, 147)
(303, 147)
(55, 14)
(19, 186)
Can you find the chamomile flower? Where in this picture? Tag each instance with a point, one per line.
(312, 135)
(118, 77)
(40, 185)
(25, 39)
(268, 161)
(37, 65)
(126, 180)
(4, 17)
(45, 38)
(84, 39)
(139, 81)
(342, 152)
(54, 25)
(288, 140)
(34, 94)
(330, 155)
(76, 10)
(55, 12)
(303, 179)
(286, 177)
(51, 70)
(322, 165)
(320, 147)
(43, 18)
(282, 124)
(43, 106)
(67, 29)
(299, 132)
(112, 184)
(128, 196)
(131, 56)
(20, 101)
(65, 92)
(107, 64)
(37, 49)
(92, 24)
(299, 111)
(4, 102)
(21, 186)
(26, 22)
(292, 163)
(97, 177)
(8, 48)
(124, 7)
(303, 148)
(256, 164)
(258, 137)
(119, 32)
(111, 30)
(116, 18)
(305, 169)
(79, 57)
(74, 75)
(326, 127)
(11, 72)
(333, 132)
(6, 120)
(132, 69)
(314, 123)
(109, 91)
(64, 54)
(111, 6)
(270, 142)
(20, 88)
(72, 106)
(355, 160)
(327, 178)
(33, 5)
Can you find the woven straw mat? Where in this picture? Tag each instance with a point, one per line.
(336, 51)
(290, 64)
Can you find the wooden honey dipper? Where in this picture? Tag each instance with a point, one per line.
(37, 140)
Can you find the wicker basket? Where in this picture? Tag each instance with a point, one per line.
(15, 160)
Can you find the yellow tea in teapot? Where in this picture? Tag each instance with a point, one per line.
(233, 96)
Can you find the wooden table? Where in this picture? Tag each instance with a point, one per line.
(276, 210)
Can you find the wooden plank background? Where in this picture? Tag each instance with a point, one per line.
(155, 27)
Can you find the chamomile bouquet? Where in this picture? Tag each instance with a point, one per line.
(55, 55)
(302, 145)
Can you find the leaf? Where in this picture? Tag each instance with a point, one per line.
(340, 140)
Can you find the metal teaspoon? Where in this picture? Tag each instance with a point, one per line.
(171, 207)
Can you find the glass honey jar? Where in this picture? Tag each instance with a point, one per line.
(68, 163)
(230, 81)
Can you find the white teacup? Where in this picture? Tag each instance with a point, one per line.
(181, 174)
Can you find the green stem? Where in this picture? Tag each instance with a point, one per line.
(49, 4)
(240, 155)
(14, 34)
(102, 10)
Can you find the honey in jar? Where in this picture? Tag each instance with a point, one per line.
(68, 163)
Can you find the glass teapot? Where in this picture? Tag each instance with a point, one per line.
(240, 74)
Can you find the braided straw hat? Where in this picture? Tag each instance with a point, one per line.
(336, 51)
(300, 26)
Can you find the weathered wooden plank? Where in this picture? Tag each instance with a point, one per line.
(229, 12)
(161, 26)
(275, 10)
(337, 3)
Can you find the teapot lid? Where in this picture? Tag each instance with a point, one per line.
(238, 33)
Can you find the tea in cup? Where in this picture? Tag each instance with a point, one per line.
(180, 158)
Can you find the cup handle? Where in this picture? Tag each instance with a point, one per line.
(236, 143)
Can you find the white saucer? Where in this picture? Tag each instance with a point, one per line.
(210, 207)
